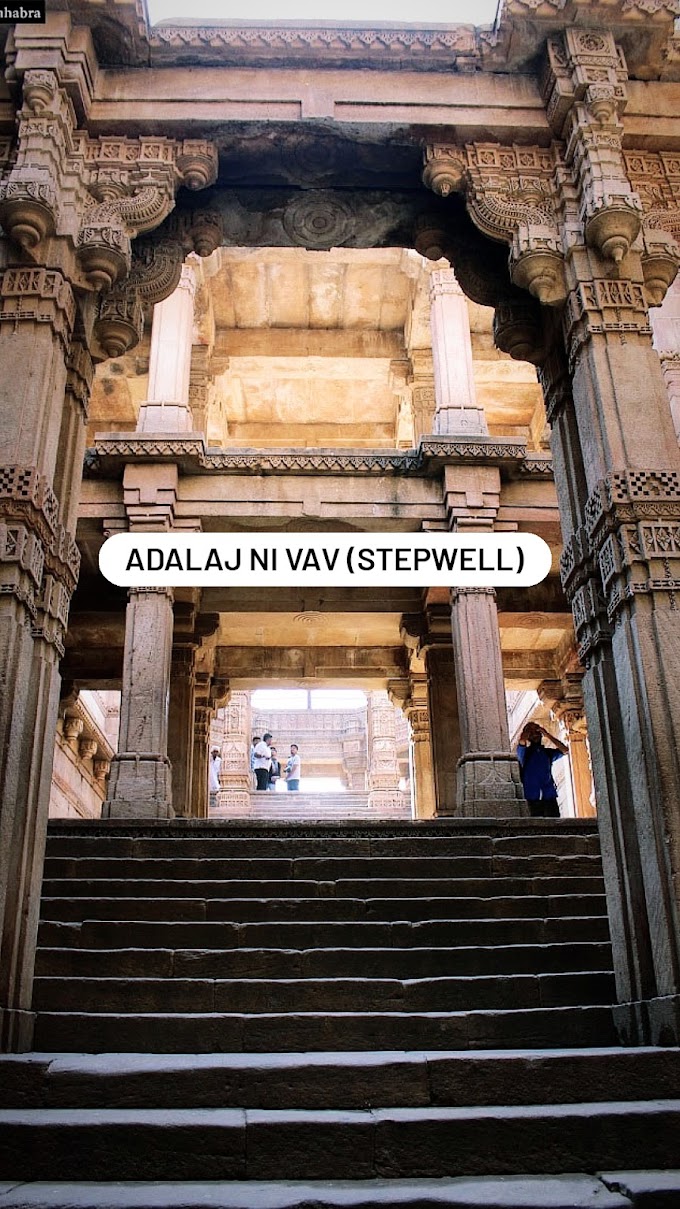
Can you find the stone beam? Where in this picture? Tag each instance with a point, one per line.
(308, 342)
(242, 96)
(248, 667)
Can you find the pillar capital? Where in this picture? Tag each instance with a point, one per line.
(443, 282)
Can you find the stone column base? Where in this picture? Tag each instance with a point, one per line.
(649, 1021)
(234, 799)
(386, 802)
(16, 1030)
(140, 787)
(489, 786)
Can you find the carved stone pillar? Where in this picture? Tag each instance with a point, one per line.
(594, 226)
(70, 206)
(457, 412)
(418, 713)
(140, 784)
(201, 756)
(442, 707)
(488, 773)
(236, 778)
(38, 570)
(167, 407)
(573, 719)
(180, 724)
(383, 766)
(422, 392)
(354, 763)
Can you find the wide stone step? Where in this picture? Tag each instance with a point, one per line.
(324, 868)
(610, 1190)
(479, 887)
(314, 963)
(336, 1080)
(225, 846)
(257, 1144)
(321, 994)
(108, 934)
(329, 909)
(204, 1033)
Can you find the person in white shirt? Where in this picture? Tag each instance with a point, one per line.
(293, 768)
(262, 761)
(214, 766)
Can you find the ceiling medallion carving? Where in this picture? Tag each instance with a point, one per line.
(318, 221)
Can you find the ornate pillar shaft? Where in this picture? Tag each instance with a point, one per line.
(383, 766)
(488, 772)
(236, 778)
(581, 774)
(140, 784)
(167, 407)
(38, 570)
(418, 714)
(444, 726)
(199, 767)
(457, 412)
(180, 725)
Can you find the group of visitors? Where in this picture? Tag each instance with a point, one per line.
(265, 763)
(535, 766)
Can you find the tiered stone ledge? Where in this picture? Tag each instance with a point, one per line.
(113, 450)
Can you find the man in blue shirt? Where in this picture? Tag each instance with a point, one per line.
(535, 769)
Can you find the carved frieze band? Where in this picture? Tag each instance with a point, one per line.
(604, 305)
(39, 559)
(629, 545)
(106, 456)
(38, 296)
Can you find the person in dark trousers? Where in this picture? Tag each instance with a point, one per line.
(535, 769)
(262, 761)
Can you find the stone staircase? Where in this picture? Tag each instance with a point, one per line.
(282, 1017)
(301, 807)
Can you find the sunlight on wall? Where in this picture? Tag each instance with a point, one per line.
(432, 12)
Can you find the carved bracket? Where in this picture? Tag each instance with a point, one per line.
(132, 186)
(655, 176)
(512, 197)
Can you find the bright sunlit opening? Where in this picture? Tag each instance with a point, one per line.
(264, 699)
(399, 12)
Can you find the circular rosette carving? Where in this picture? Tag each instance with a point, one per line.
(318, 221)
